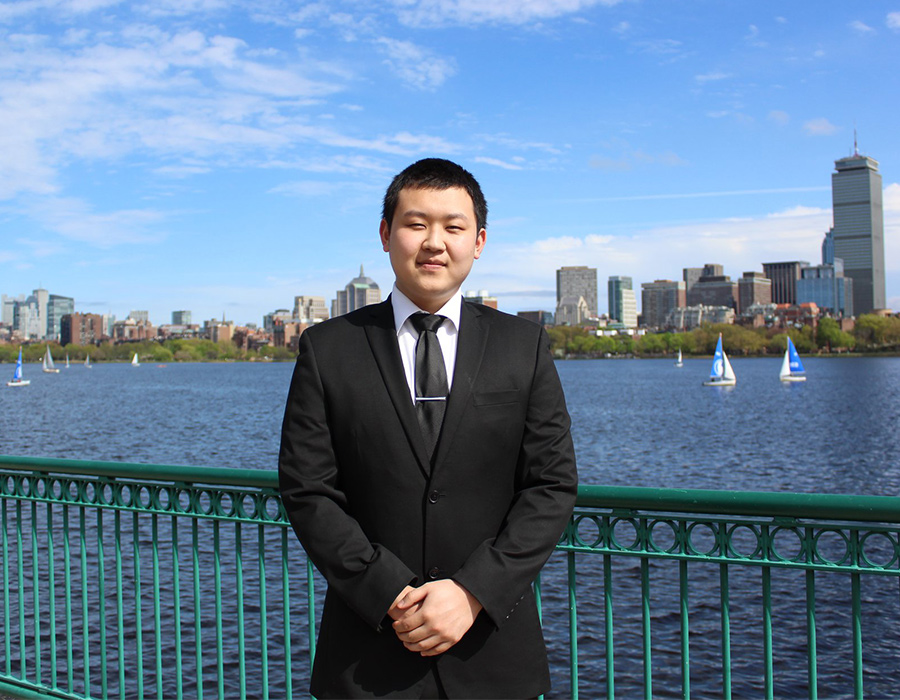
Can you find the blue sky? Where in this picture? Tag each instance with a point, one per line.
(224, 157)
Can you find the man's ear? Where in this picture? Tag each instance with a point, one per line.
(385, 232)
(480, 240)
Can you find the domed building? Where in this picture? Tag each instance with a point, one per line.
(359, 292)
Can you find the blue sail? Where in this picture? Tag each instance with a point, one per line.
(718, 365)
(794, 358)
(17, 375)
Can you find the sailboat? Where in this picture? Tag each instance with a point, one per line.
(17, 374)
(48, 362)
(67, 360)
(679, 362)
(792, 368)
(87, 362)
(134, 361)
(721, 373)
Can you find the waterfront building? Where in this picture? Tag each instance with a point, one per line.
(658, 299)
(687, 318)
(543, 318)
(572, 311)
(57, 307)
(286, 333)
(359, 292)
(81, 329)
(42, 297)
(181, 318)
(139, 316)
(856, 196)
(784, 276)
(622, 302)
(578, 281)
(481, 297)
(221, 332)
(713, 290)
(753, 288)
(131, 330)
(310, 309)
(691, 276)
(825, 284)
(270, 319)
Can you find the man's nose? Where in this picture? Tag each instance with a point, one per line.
(434, 240)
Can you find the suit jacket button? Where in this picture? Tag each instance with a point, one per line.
(434, 497)
(434, 573)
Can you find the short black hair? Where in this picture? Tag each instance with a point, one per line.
(435, 174)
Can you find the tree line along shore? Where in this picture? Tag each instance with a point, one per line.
(871, 335)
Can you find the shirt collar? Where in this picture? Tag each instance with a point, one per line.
(404, 308)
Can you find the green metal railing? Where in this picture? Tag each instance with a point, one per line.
(129, 580)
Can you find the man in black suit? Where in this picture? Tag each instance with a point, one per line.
(428, 485)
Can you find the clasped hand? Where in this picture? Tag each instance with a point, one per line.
(432, 618)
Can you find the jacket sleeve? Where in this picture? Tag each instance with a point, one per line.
(367, 577)
(499, 571)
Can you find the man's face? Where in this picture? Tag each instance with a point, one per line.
(433, 241)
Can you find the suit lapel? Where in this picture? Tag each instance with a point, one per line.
(472, 339)
(382, 338)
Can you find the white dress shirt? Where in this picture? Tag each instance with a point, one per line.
(407, 336)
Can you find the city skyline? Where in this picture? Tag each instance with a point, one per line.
(223, 157)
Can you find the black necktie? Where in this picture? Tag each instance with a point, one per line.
(431, 378)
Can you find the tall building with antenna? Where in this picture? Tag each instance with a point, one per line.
(856, 195)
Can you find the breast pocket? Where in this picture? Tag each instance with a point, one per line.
(495, 398)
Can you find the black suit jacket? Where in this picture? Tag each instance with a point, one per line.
(375, 515)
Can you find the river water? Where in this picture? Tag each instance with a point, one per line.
(635, 422)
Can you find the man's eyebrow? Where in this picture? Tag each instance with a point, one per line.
(416, 213)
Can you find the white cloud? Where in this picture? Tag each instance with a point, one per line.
(819, 127)
(432, 13)
(74, 219)
(711, 77)
(861, 27)
(498, 163)
(415, 65)
(630, 159)
(779, 117)
(891, 198)
(893, 20)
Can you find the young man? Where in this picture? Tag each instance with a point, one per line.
(427, 468)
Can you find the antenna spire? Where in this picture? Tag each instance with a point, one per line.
(855, 145)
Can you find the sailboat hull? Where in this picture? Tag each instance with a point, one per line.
(720, 382)
(20, 382)
(793, 378)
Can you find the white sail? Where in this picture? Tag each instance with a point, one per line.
(785, 367)
(48, 362)
(134, 361)
(791, 367)
(721, 373)
(679, 362)
(87, 362)
(729, 372)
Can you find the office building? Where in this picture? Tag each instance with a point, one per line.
(753, 288)
(856, 197)
(572, 311)
(481, 297)
(713, 289)
(658, 299)
(81, 329)
(577, 282)
(139, 316)
(181, 318)
(622, 302)
(826, 285)
(310, 309)
(359, 292)
(57, 307)
(784, 276)
(543, 318)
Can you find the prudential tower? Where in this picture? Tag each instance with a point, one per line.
(859, 228)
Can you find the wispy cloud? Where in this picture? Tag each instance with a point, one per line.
(497, 163)
(893, 20)
(75, 219)
(636, 158)
(819, 127)
(430, 13)
(861, 27)
(714, 76)
(779, 117)
(416, 65)
(702, 195)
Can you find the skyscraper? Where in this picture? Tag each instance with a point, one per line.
(577, 282)
(622, 302)
(659, 299)
(859, 228)
(359, 292)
